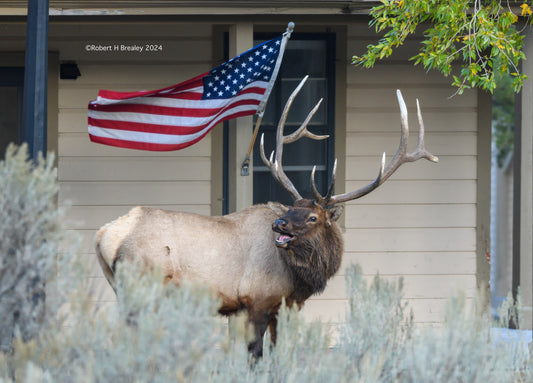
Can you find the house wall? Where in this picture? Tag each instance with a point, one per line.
(421, 225)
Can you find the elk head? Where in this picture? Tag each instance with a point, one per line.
(307, 215)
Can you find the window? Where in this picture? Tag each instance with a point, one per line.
(11, 90)
(306, 54)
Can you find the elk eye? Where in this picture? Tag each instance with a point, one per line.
(311, 219)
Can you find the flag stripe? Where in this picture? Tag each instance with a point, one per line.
(131, 124)
(184, 86)
(253, 92)
(143, 145)
(149, 114)
(160, 141)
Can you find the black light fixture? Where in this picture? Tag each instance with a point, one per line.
(69, 71)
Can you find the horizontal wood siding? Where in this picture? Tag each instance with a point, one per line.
(421, 224)
(100, 182)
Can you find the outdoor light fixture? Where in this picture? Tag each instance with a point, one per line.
(69, 71)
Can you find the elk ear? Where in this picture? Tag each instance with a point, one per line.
(278, 208)
(335, 212)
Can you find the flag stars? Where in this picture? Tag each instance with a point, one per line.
(227, 80)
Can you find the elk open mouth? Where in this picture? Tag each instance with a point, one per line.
(283, 240)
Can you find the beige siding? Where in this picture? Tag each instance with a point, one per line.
(421, 224)
(101, 182)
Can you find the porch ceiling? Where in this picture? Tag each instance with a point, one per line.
(205, 7)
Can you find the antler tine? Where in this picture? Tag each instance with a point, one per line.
(280, 139)
(318, 197)
(266, 161)
(399, 158)
(332, 185)
(302, 130)
(421, 146)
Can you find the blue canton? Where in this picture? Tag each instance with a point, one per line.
(228, 79)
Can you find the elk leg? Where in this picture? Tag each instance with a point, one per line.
(260, 322)
(272, 326)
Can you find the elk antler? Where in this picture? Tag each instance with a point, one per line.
(399, 158)
(274, 163)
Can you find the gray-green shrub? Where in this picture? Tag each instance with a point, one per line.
(30, 233)
(165, 334)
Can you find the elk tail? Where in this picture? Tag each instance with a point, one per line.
(108, 272)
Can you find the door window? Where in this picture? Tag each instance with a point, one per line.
(311, 55)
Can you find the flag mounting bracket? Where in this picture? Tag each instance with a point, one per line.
(245, 167)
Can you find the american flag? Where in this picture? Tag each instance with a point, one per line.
(181, 115)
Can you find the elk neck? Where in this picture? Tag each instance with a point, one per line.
(314, 259)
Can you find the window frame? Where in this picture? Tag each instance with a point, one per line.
(13, 76)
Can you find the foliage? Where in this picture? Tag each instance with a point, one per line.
(175, 337)
(31, 233)
(480, 34)
(162, 333)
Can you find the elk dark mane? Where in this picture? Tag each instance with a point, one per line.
(315, 259)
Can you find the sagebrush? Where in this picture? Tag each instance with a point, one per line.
(162, 333)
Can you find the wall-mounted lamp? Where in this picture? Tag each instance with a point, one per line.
(69, 71)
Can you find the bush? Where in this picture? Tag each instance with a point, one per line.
(162, 333)
(30, 231)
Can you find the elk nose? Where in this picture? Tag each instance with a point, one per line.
(280, 222)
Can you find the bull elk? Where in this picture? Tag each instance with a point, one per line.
(254, 258)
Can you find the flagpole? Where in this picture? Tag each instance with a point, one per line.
(245, 167)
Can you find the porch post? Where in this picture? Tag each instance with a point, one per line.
(523, 185)
(34, 107)
(240, 130)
